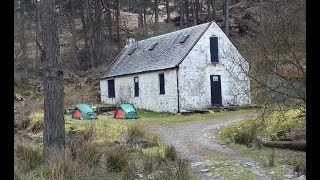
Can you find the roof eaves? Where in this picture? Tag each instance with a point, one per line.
(196, 41)
(141, 72)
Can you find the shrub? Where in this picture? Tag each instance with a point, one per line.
(117, 159)
(28, 157)
(241, 133)
(183, 172)
(63, 166)
(137, 137)
(170, 153)
(271, 158)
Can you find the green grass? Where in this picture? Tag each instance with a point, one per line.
(108, 134)
(288, 122)
(113, 128)
(282, 157)
(165, 118)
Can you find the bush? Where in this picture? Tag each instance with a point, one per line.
(240, 133)
(64, 166)
(182, 172)
(28, 157)
(137, 137)
(282, 126)
(170, 153)
(117, 159)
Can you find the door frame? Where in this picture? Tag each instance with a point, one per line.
(212, 98)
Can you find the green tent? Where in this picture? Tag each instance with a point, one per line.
(83, 111)
(126, 111)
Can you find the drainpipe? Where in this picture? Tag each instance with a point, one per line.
(177, 68)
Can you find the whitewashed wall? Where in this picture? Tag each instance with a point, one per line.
(149, 91)
(195, 70)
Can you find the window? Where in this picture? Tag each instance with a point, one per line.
(111, 93)
(153, 45)
(214, 49)
(136, 87)
(132, 48)
(184, 38)
(161, 82)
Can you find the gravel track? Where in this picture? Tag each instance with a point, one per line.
(191, 139)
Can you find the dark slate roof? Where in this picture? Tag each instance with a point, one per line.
(168, 53)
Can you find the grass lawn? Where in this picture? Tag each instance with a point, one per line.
(107, 122)
(238, 134)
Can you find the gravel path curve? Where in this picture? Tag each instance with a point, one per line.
(191, 139)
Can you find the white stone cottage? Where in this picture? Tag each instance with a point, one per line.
(190, 69)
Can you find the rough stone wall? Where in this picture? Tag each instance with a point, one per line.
(195, 70)
(149, 91)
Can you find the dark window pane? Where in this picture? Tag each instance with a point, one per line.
(111, 93)
(161, 82)
(153, 45)
(184, 38)
(136, 87)
(214, 49)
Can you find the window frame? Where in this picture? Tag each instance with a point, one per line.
(214, 47)
(162, 89)
(136, 86)
(111, 92)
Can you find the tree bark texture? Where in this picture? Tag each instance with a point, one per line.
(73, 37)
(156, 13)
(227, 17)
(54, 132)
(90, 34)
(37, 35)
(22, 38)
(140, 17)
(181, 7)
(208, 11)
(187, 13)
(117, 21)
(168, 11)
(144, 15)
(85, 29)
(213, 15)
(196, 12)
(109, 19)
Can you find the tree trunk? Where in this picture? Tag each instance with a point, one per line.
(54, 130)
(212, 2)
(292, 145)
(85, 30)
(186, 10)
(168, 11)
(99, 45)
(90, 35)
(22, 39)
(37, 35)
(15, 18)
(196, 12)
(140, 18)
(109, 19)
(227, 17)
(117, 21)
(208, 11)
(144, 15)
(156, 13)
(181, 13)
(73, 37)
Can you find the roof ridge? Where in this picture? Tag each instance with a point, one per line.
(184, 29)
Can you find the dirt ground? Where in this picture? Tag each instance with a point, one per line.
(196, 141)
